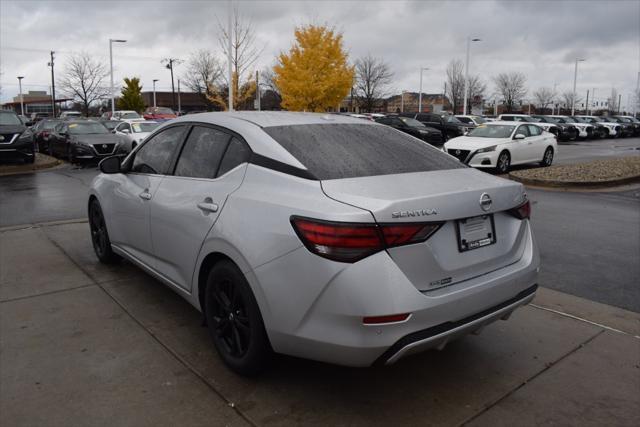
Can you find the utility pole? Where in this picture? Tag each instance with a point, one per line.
(575, 78)
(420, 96)
(619, 102)
(53, 87)
(169, 64)
(258, 90)
(466, 75)
(154, 92)
(586, 104)
(21, 98)
(179, 106)
(229, 44)
(111, 42)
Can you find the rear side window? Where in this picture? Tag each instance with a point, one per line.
(334, 151)
(154, 157)
(236, 154)
(534, 130)
(202, 153)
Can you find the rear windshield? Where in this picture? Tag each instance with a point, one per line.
(335, 151)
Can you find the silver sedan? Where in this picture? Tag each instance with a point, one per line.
(133, 133)
(319, 236)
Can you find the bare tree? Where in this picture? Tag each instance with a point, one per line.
(511, 86)
(82, 80)
(455, 83)
(202, 74)
(477, 90)
(244, 53)
(568, 98)
(373, 75)
(543, 97)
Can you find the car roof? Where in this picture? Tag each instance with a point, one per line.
(249, 125)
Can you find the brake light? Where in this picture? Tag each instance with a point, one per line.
(351, 242)
(523, 211)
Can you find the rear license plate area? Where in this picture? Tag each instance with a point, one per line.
(475, 232)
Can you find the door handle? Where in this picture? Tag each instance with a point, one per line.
(208, 207)
(145, 195)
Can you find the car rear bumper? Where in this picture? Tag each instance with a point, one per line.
(328, 324)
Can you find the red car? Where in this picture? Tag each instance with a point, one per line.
(159, 113)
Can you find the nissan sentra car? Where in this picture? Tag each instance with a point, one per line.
(319, 236)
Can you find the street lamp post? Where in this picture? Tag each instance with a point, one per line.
(111, 42)
(420, 95)
(21, 98)
(466, 75)
(154, 92)
(402, 101)
(575, 78)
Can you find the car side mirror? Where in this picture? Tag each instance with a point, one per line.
(110, 165)
(519, 136)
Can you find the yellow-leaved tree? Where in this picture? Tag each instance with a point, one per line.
(314, 75)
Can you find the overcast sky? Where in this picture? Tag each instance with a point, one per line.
(538, 38)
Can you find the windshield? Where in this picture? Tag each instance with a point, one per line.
(577, 119)
(479, 120)
(86, 128)
(162, 110)
(412, 122)
(143, 127)
(453, 119)
(49, 124)
(110, 124)
(8, 119)
(131, 115)
(492, 131)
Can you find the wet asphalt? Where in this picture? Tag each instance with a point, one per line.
(589, 241)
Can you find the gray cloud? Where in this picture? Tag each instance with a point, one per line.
(539, 38)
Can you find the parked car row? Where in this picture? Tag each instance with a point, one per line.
(570, 128)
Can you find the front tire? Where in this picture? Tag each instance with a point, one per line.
(504, 163)
(547, 158)
(234, 320)
(99, 235)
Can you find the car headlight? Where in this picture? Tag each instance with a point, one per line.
(27, 134)
(487, 149)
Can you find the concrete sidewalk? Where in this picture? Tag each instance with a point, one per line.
(85, 344)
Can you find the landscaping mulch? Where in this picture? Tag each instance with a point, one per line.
(616, 171)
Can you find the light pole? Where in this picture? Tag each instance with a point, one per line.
(575, 78)
(466, 75)
(21, 98)
(420, 95)
(111, 42)
(402, 101)
(154, 92)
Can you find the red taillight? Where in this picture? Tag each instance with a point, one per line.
(523, 211)
(376, 320)
(350, 242)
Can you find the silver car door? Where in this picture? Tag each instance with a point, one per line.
(187, 204)
(129, 216)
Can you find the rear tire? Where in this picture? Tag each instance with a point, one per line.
(504, 162)
(547, 158)
(234, 320)
(99, 235)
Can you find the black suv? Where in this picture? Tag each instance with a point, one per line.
(16, 140)
(562, 131)
(448, 125)
(414, 128)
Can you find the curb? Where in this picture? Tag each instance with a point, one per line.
(575, 184)
(47, 162)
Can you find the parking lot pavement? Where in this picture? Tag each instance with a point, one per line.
(585, 151)
(96, 345)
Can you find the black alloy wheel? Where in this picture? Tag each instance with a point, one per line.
(234, 320)
(547, 158)
(504, 162)
(99, 235)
